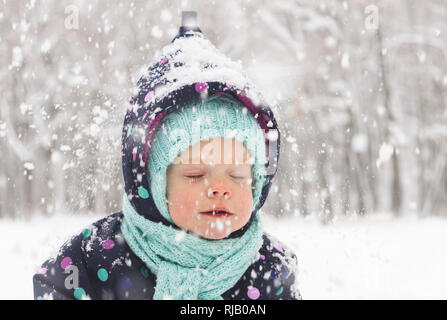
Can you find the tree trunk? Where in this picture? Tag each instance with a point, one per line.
(396, 184)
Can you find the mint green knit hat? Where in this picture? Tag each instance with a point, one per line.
(218, 116)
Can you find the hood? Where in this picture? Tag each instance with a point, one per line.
(187, 68)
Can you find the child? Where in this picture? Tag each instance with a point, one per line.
(195, 167)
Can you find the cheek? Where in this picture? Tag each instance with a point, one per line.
(182, 204)
(243, 201)
(246, 204)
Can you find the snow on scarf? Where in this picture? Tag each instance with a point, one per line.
(188, 267)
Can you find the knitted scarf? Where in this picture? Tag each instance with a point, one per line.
(188, 267)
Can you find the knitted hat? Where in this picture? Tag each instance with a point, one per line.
(218, 116)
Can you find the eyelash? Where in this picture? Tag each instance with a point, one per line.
(195, 178)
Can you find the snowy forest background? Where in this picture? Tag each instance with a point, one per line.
(359, 89)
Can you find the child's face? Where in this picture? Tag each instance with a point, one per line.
(201, 180)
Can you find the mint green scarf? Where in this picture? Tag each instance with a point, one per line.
(188, 267)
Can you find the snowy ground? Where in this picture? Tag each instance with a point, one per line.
(372, 258)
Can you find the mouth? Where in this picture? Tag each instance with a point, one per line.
(217, 213)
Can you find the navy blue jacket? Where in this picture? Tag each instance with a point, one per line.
(98, 263)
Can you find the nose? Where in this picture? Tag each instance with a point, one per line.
(219, 189)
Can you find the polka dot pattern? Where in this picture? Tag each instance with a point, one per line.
(129, 130)
(274, 286)
(103, 275)
(79, 293)
(201, 87)
(42, 271)
(149, 96)
(278, 247)
(86, 233)
(253, 293)
(280, 290)
(143, 193)
(66, 262)
(144, 272)
(108, 244)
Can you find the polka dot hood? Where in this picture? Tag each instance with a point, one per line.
(97, 263)
(190, 68)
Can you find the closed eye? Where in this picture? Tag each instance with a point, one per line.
(195, 178)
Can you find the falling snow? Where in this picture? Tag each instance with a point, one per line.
(360, 107)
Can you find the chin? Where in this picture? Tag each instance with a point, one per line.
(215, 235)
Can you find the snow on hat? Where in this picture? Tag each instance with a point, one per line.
(187, 69)
(218, 116)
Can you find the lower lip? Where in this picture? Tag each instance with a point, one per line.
(217, 215)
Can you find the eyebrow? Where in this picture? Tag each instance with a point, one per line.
(191, 166)
(205, 168)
